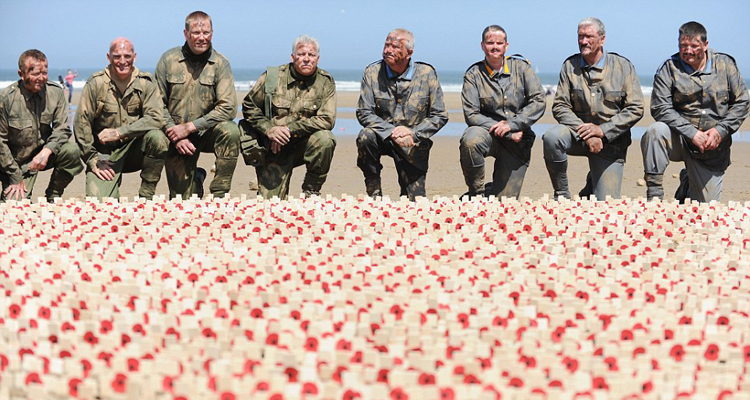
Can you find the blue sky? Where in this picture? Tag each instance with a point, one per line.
(254, 34)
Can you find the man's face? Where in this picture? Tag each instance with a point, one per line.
(589, 41)
(395, 52)
(494, 46)
(305, 59)
(121, 59)
(693, 51)
(199, 36)
(33, 75)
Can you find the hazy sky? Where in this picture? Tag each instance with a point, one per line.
(255, 34)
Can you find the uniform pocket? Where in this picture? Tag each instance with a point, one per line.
(207, 90)
(281, 106)
(22, 132)
(578, 98)
(614, 98)
(176, 86)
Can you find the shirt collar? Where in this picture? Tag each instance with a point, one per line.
(133, 81)
(504, 71)
(690, 70)
(599, 65)
(28, 95)
(407, 75)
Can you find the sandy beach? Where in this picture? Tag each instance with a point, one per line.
(444, 177)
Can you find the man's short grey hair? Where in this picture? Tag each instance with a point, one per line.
(305, 39)
(406, 35)
(596, 22)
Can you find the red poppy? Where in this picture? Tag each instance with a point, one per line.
(227, 396)
(383, 375)
(168, 384)
(399, 394)
(426, 379)
(611, 363)
(15, 311)
(599, 383)
(44, 313)
(712, 352)
(73, 387)
(351, 395)
(33, 377)
(447, 394)
(515, 382)
(463, 319)
(133, 364)
(90, 338)
(291, 374)
(343, 344)
(571, 364)
(677, 352)
(311, 344)
(119, 383)
(309, 388)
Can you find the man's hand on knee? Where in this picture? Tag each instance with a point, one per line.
(595, 145)
(103, 170)
(279, 135)
(181, 131)
(500, 129)
(713, 139)
(185, 147)
(589, 130)
(39, 162)
(16, 192)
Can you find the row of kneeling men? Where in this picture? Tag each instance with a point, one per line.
(129, 120)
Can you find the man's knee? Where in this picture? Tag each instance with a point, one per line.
(554, 135)
(367, 139)
(228, 130)
(473, 137)
(155, 144)
(322, 140)
(657, 132)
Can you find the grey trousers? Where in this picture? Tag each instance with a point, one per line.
(507, 176)
(605, 175)
(660, 146)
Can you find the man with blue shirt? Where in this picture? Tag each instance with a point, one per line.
(699, 100)
(400, 108)
(598, 101)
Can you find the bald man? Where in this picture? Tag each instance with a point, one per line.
(118, 125)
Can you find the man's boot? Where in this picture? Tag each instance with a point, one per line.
(683, 191)
(373, 187)
(474, 178)
(57, 184)
(558, 174)
(654, 186)
(150, 176)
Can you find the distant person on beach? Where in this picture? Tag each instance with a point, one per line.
(502, 98)
(197, 87)
(400, 108)
(598, 101)
(118, 125)
(699, 100)
(69, 78)
(297, 128)
(34, 132)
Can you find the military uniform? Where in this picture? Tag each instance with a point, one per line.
(306, 105)
(137, 115)
(412, 99)
(607, 94)
(28, 123)
(201, 92)
(684, 101)
(513, 94)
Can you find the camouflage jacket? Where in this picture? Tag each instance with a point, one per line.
(203, 94)
(29, 122)
(132, 113)
(413, 99)
(688, 101)
(607, 94)
(302, 104)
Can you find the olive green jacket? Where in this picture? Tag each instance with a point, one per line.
(303, 104)
(608, 94)
(28, 123)
(688, 101)
(102, 106)
(413, 99)
(203, 94)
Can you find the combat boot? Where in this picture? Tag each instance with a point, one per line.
(474, 178)
(558, 174)
(150, 176)
(654, 186)
(373, 188)
(683, 191)
(57, 184)
(222, 182)
(198, 178)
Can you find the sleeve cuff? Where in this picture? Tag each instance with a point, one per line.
(200, 124)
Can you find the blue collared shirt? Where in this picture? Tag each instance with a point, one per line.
(599, 65)
(690, 70)
(405, 75)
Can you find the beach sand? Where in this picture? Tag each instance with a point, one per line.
(444, 177)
